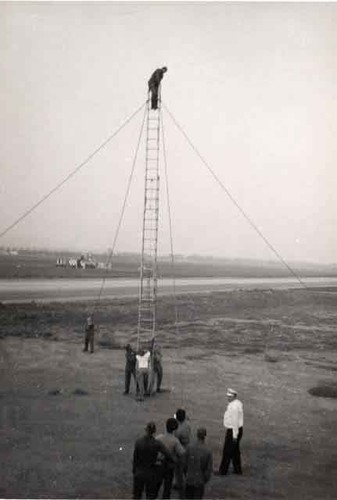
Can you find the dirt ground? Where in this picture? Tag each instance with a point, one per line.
(68, 431)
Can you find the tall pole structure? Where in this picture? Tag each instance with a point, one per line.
(148, 268)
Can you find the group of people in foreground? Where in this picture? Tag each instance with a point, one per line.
(157, 460)
(174, 457)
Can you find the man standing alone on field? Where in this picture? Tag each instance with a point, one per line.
(89, 335)
(233, 421)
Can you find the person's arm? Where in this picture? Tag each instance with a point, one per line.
(135, 459)
(184, 459)
(235, 420)
(179, 449)
(168, 455)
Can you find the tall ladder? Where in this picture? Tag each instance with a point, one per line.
(148, 269)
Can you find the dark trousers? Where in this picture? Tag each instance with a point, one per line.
(145, 480)
(158, 369)
(89, 341)
(180, 478)
(192, 491)
(154, 96)
(128, 372)
(231, 453)
(165, 477)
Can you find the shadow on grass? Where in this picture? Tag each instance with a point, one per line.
(108, 344)
(80, 392)
(324, 391)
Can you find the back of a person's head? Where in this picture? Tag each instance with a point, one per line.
(150, 428)
(201, 433)
(171, 425)
(180, 415)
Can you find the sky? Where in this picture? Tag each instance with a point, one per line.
(252, 85)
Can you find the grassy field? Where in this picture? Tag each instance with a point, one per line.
(68, 431)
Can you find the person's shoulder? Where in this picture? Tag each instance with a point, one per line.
(139, 440)
(204, 450)
(186, 426)
(191, 446)
(208, 451)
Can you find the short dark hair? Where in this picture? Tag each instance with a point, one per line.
(171, 424)
(201, 433)
(151, 428)
(180, 415)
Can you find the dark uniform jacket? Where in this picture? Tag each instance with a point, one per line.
(156, 78)
(146, 453)
(198, 464)
(157, 356)
(89, 330)
(130, 358)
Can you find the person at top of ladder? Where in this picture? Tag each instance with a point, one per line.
(154, 83)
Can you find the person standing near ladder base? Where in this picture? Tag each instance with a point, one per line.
(157, 366)
(154, 84)
(142, 371)
(130, 367)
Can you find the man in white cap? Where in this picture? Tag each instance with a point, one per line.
(233, 422)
